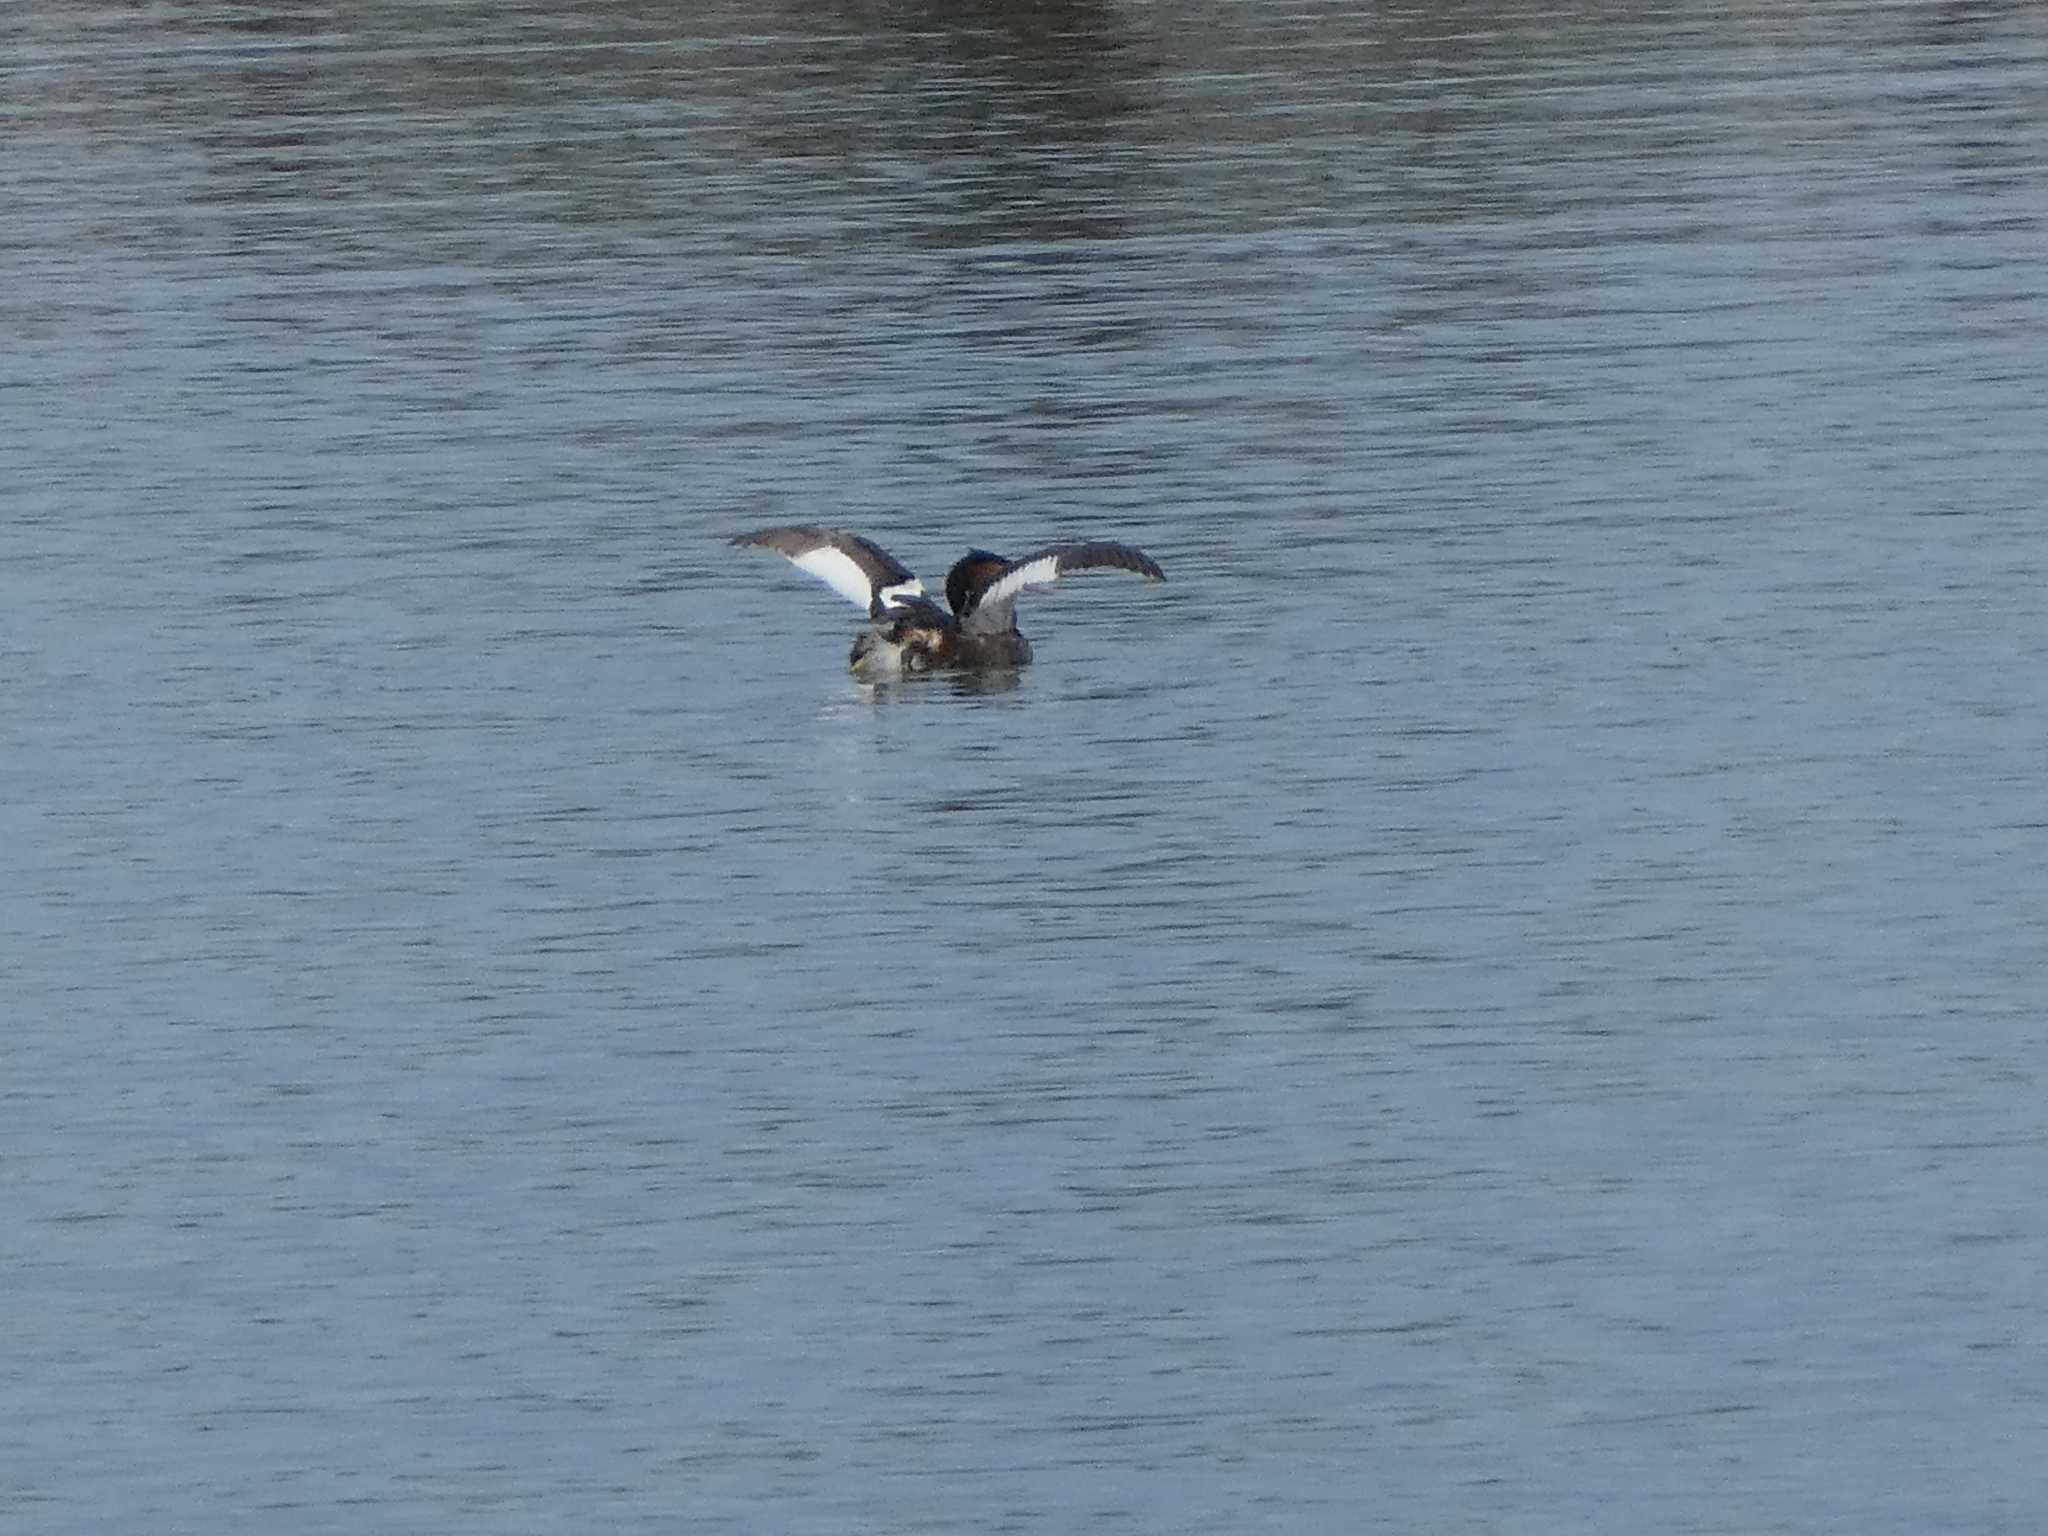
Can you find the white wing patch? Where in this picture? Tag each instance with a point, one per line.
(891, 597)
(839, 571)
(1005, 588)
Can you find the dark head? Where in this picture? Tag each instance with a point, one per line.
(971, 576)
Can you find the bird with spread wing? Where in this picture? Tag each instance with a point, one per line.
(908, 630)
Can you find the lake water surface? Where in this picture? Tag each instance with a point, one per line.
(1507, 996)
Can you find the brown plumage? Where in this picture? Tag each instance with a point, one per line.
(909, 632)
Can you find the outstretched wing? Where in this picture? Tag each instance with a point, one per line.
(994, 608)
(859, 570)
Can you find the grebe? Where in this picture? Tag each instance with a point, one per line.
(909, 632)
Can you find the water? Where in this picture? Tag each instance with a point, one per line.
(1505, 996)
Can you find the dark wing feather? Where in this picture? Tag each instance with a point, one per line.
(858, 569)
(993, 608)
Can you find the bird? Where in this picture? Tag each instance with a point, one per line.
(908, 631)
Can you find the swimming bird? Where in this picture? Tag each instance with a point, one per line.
(907, 630)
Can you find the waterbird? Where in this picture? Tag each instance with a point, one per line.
(908, 631)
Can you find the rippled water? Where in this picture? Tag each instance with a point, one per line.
(1506, 996)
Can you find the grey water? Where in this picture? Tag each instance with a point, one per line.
(1507, 995)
